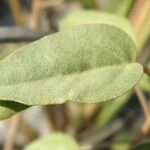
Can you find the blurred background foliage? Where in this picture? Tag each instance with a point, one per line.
(116, 125)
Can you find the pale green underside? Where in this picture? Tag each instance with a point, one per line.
(90, 63)
(57, 141)
(94, 16)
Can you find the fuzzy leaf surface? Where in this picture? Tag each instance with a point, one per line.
(90, 63)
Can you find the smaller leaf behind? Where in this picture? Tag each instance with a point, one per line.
(111, 108)
(92, 17)
(55, 141)
(8, 109)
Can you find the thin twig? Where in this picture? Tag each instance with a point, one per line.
(146, 110)
(17, 34)
(17, 12)
(139, 14)
(144, 56)
(139, 18)
(90, 111)
(35, 14)
(10, 137)
(57, 116)
(93, 137)
(143, 102)
(37, 7)
(28, 131)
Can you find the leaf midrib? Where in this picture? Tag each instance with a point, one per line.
(62, 75)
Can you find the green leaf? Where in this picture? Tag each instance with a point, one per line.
(56, 141)
(90, 63)
(88, 3)
(122, 7)
(142, 146)
(111, 109)
(93, 16)
(8, 109)
(145, 81)
(120, 146)
(143, 33)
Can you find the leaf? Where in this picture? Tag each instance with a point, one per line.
(8, 109)
(145, 81)
(122, 140)
(88, 3)
(55, 141)
(120, 146)
(111, 109)
(93, 16)
(90, 63)
(142, 146)
(143, 32)
(120, 7)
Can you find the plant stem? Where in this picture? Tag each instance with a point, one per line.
(139, 14)
(17, 13)
(139, 18)
(57, 116)
(142, 101)
(145, 108)
(35, 14)
(95, 137)
(28, 131)
(37, 7)
(10, 137)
